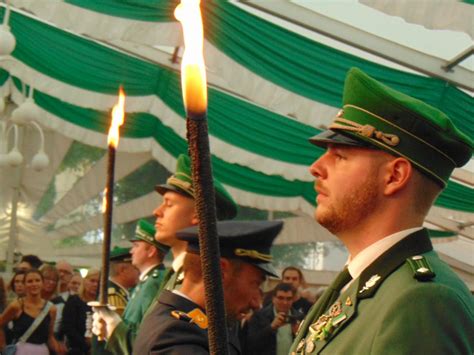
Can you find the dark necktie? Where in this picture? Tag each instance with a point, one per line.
(332, 293)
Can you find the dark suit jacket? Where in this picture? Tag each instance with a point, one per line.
(162, 333)
(261, 338)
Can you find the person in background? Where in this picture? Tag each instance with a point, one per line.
(28, 262)
(122, 278)
(293, 276)
(78, 315)
(271, 330)
(75, 283)
(24, 311)
(16, 286)
(178, 325)
(3, 305)
(51, 281)
(388, 157)
(66, 272)
(147, 256)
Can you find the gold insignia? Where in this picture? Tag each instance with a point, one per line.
(300, 346)
(319, 324)
(253, 254)
(370, 283)
(348, 301)
(199, 318)
(335, 309)
(309, 346)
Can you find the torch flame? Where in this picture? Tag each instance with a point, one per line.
(104, 201)
(118, 113)
(193, 70)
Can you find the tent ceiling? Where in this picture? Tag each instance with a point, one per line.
(232, 80)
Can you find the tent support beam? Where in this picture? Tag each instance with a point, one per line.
(344, 33)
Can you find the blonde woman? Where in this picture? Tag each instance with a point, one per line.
(76, 312)
(23, 313)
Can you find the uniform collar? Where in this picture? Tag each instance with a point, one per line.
(147, 271)
(178, 262)
(367, 256)
(373, 276)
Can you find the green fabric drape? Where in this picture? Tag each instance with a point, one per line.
(440, 234)
(143, 125)
(142, 10)
(314, 70)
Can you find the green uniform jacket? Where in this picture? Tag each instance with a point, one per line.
(142, 297)
(397, 306)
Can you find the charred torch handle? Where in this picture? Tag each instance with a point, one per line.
(104, 275)
(198, 145)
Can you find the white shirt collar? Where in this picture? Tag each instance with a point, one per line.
(178, 262)
(179, 293)
(146, 271)
(367, 256)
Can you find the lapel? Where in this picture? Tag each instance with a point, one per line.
(344, 310)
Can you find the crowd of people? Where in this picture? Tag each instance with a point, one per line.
(64, 294)
(388, 157)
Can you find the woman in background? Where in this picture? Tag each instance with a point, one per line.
(23, 313)
(16, 287)
(76, 312)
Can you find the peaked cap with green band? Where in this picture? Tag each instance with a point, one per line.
(146, 232)
(120, 254)
(181, 182)
(376, 116)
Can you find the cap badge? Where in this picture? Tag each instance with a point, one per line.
(183, 185)
(253, 254)
(366, 130)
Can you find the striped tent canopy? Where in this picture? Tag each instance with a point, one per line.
(275, 77)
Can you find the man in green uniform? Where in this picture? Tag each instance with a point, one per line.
(388, 157)
(177, 211)
(123, 277)
(147, 256)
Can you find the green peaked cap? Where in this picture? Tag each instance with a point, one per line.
(181, 182)
(120, 254)
(376, 116)
(146, 232)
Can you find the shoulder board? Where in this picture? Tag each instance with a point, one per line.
(421, 268)
(196, 316)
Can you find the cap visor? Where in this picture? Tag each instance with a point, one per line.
(330, 137)
(267, 269)
(162, 189)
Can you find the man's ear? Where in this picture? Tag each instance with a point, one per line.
(195, 218)
(397, 175)
(226, 269)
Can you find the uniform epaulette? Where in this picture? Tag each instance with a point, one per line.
(196, 316)
(421, 268)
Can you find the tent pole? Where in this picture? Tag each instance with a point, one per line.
(13, 229)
